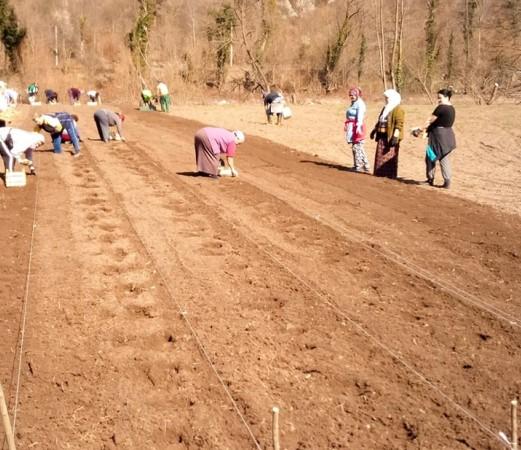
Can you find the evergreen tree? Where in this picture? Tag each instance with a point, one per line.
(221, 33)
(11, 35)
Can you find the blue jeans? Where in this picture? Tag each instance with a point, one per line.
(68, 124)
(57, 142)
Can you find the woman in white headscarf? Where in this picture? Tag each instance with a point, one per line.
(388, 133)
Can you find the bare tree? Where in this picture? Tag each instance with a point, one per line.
(431, 42)
(138, 38)
(468, 35)
(396, 61)
(335, 48)
(380, 37)
(254, 51)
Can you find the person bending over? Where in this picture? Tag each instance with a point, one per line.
(213, 144)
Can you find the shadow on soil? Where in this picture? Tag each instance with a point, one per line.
(351, 169)
(329, 165)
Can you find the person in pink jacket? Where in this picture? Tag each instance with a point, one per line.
(354, 128)
(213, 145)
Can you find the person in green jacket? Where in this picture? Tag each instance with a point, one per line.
(388, 133)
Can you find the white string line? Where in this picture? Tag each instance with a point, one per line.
(26, 300)
(181, 312)
(187, 269)
(409, 266)
(329, 301)
(340, 312)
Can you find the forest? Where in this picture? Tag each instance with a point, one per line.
(309, 47)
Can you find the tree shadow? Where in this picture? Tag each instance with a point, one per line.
(352, 170)
(410, 181)
(330, 165)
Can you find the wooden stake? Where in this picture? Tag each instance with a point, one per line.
(7, 423)
(275, 415)
(513, 404)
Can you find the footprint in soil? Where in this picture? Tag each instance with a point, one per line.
(146, 311)
(214, 248)
(91, 201)
(92, 217)
(120, 254)
(108, 227)
(113, 270)
(189, 234)
(134, 288)
(105, 209)
(109, 238)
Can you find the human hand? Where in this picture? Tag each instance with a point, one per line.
(373, 134)
(393, 142)
(416, 132)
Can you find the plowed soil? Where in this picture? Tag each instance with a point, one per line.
(148, 308)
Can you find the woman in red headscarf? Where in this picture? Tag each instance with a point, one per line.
(354, 128)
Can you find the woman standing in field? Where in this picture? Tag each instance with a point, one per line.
(441, 138)
(354, 128)
(388, 133)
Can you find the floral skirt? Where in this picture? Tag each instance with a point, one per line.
(386, 159)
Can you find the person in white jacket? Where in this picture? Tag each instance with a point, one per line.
(17, 145)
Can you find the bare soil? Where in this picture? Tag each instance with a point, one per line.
(168, 311)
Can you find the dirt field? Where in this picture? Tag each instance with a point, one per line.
(165, 311)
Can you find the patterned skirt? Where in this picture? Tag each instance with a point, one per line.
(386, 159)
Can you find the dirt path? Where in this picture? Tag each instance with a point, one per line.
(167, 311)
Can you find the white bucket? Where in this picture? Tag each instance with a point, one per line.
(15, 179)
(226, 172)
(114, 136)
(286, 112)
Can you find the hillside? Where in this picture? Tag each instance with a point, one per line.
(450, 42)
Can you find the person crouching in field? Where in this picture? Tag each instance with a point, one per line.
(147, 100)
(94, 96)
(354, 128)
(54, 125)
(388, 133)
(14, 143)
(74, 95)
(32, 93)
(51, 96)
(212, 144)
(441, 138)
(105, 119)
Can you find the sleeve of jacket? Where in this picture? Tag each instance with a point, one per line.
(399, 121)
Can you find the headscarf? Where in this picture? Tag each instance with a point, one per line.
(394, 99)
(355, 91)
(239, 136)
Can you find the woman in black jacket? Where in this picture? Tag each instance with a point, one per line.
(441, 138)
